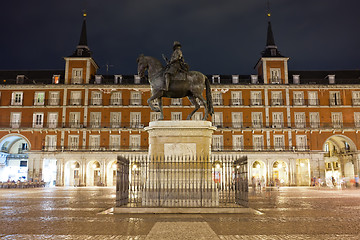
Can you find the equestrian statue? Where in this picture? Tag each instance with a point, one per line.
(175, 81)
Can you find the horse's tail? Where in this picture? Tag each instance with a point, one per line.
(209, 97)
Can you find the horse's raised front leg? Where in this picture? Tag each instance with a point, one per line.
(156, 95)
(195, 103)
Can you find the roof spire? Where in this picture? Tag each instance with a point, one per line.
(271, 48)
(82, 49)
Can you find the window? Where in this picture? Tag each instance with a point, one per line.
(50, 142)
(300, 119)
(313, 98)
(176, 116)
(96, 98)
(17, 98)
(114, 142)
(275, 76)
(314, 119)
(15, 120)
(154, 116)
(256, 119)
(94, 142)
(176, 101)
(56, 79)
(276, 98)
(73, 142)
(217, 119)
(215, 78)
(236, 98)
(77, 76)
(258, 142)
(255, 97)
(217, 98)
(335, 99)
(54, 98)
(235, 79)
(277, 120)
(135, 142)
(135, 120)
(95, 119)
(198, 116)
(137, 79)
(74, 119)
(298, 98)
(279, 142)
(75, 98)
(356, 98)
(336, 119)
(135, 98)
(357, 119)
(38, 120)
(52, 120)
(301, 142)
(237, 119)
(217, 142)
(115, 119)
(238, 142)
(39, 98)
(116, 98)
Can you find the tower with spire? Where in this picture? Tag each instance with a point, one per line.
(80, 67)
(272, 67)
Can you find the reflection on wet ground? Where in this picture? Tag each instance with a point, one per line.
(80, 213)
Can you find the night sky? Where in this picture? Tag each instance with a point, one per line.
(217, 37)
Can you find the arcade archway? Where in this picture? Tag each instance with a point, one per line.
(258, 171)
(280, 173)
(72, 173)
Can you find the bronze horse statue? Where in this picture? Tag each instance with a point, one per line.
(192, 86)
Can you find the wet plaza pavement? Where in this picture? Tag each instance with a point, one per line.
(80, 213)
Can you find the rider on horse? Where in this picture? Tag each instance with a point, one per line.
(175, 65)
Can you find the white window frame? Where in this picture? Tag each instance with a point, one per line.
(75, 98)
(236, 98)
(256, 119)
(256, 98)
(17, 98)
(357, 119)
(355, 98)
(276, 98)
(198, 116)
(135, 142)
(300, 119)
(96, 98)
(115, 142)
(279, 142)
(73, 142)
(301, 142)
(135, 98)
(217, 119)
(135, 120)
(154, 116)
(217, 98)
(94, 142)
(335, 98)
(277, 120)
(39, 98)
(238, 142)
(54, 98)
(15, 120)
(217, 142)
(298, 98)
(50, 142)
(258, 142)
(314, 119)
(38, 120)
(176, 101)
(95, 119)
(275, 75)
(74, 119)
(313, 98)
(237, 119)
(337, 119)
(52, 119)
(116, 98)
(115, 119)
(77, 76)
(176, 116)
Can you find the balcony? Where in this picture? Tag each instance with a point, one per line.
(96, 102)
(256, 102)
(237, 102)
(276, 102)
(116, 102)
(75, 102)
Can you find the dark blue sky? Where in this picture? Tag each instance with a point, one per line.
(218, 37)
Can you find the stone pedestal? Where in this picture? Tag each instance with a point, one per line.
(179, 171)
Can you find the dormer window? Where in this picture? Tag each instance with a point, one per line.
(136, 79)
(254, 79)
(117, 79)
(98, 79)
(296, 79)
(331, 79)
(56, 79)
(273, 52)
(235, 79)
(216, 79)
(275, 76)
(20, 79)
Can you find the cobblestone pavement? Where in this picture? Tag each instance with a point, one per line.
(80, 213)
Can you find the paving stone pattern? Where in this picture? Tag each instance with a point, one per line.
(83, 213)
